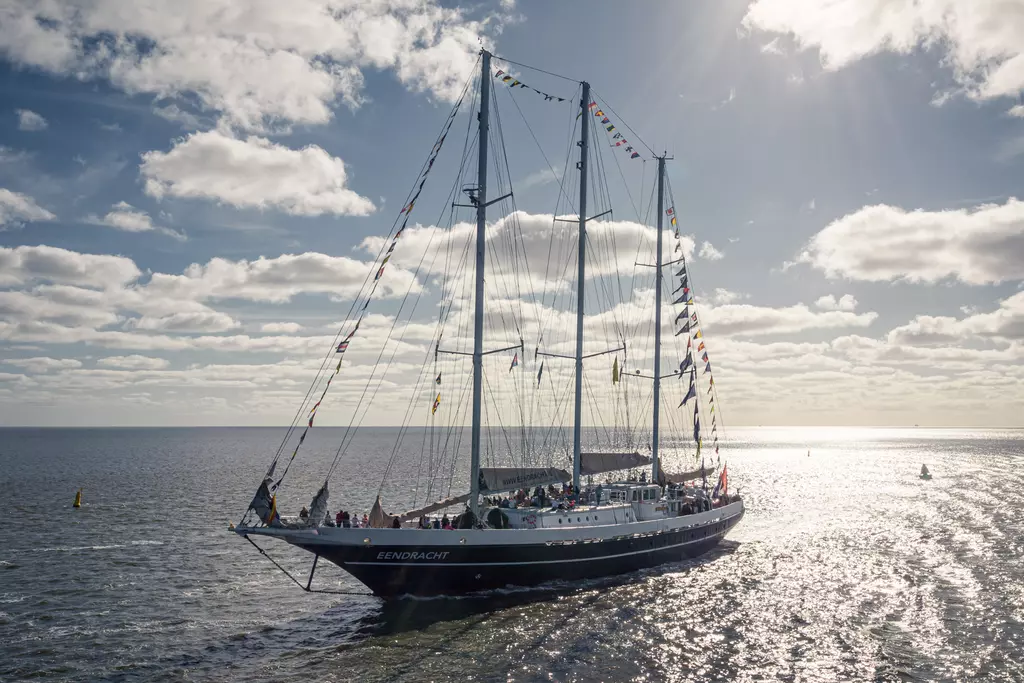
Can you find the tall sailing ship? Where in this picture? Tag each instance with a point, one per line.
(536, 511)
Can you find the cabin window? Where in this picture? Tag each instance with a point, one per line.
(634, 496)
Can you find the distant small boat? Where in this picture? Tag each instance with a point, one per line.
(925, 474)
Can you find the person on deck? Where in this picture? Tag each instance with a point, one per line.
(445, 522)
(366, 520)
(396, 524)
(303, 513)
(337, 519)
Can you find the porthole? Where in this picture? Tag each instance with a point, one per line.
(559, 520)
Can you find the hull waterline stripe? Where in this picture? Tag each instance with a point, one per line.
(507, 564)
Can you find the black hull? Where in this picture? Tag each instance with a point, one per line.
(432, 570)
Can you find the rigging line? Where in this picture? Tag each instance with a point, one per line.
(623, 122)
(350, 430)
(358, 298)
(435, 340)
(533, 68)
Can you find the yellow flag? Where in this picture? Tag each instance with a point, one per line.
(698, 335)
(273, 510)
(615, 371)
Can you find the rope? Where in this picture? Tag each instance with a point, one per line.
(299, 583)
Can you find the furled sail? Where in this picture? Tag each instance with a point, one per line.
(434, 507)
(497, 479)
(318, 508)
(596, 463)
(263, 504)
(379, 519)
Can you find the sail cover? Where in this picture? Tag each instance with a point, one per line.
(434, 507)
(596, 463)
(679, 478)
(318, 507)
(497, 479)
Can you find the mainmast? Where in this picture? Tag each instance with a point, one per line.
(581, 260)
(657, 323)
(478, 308)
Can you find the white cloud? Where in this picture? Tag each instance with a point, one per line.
(846, 302)
(745, 320)
(28, 120)
(981, 39)
(133, 362)
(275, 280)
(200, 321)
(25, 265)
(124, 216)
(41, 365)
(16, 208)
(258, 62)
(773, 47)
(281, 328)
(708, 251)
(724, 296)
(253, 173)
(1017, 111)
(977, 246)
(1006, 323)
(615, 245)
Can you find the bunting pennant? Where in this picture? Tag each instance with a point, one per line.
(696, 427)
(693, 317)
(437, 402)
(516, 83)
(682, 285)
(692, 393)
(515, 362)
(689, 302)
(698, 335)
(438, 380)
(406, 211)
(540, 372)
(616, 139)
(682, 271)
(681, 300)
(707, 369)
(684, 329)
(682, 314)
(615, 370)
(679, 247)
(704, 357)
(700, 347)
(669, 211)
(673, 222)
(685, 365)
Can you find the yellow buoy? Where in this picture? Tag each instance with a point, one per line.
(78, 499)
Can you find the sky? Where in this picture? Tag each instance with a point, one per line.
(192, 194)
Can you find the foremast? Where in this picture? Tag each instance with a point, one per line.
(478, 304)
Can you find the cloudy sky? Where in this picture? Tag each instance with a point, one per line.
(191, 193)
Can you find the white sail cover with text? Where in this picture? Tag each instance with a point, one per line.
(596, 463)
(498, 479)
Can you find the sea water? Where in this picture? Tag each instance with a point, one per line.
(847, 567)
